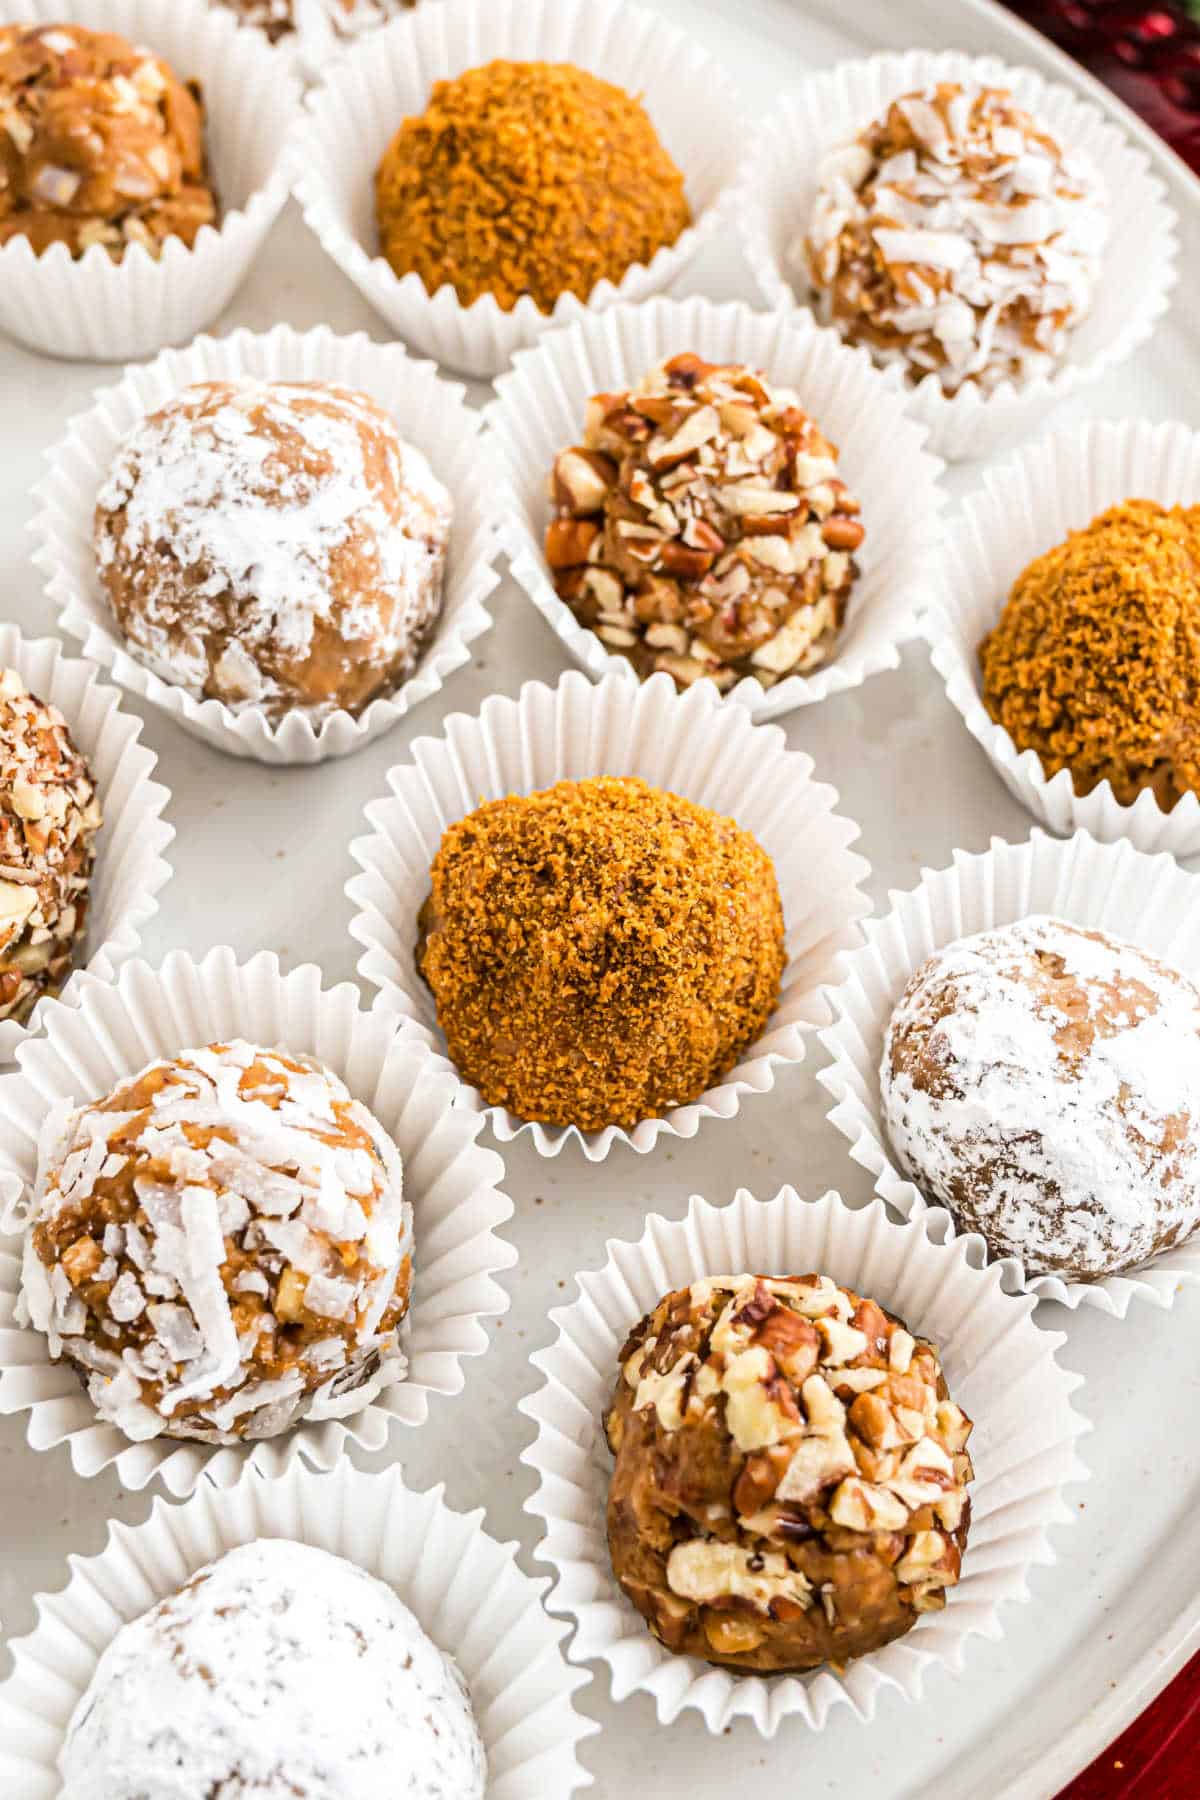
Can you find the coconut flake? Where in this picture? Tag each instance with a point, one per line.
(176, 1331)
(126, 1301)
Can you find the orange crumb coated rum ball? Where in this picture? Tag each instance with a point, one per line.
(601, 951)
(1095, 661)
(526, 178)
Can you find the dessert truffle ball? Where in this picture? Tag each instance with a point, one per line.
(601, 951)
(702, 528)
(319, 21)
(100, 143)
(956, 237)
(791, 1474)
(221, 1248)
(277, 1671)
(526, 178)
(49, 817)
(1042, 1081)
(1095, 661)
(275, 545)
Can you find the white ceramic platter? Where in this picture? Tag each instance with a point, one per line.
(261, 856)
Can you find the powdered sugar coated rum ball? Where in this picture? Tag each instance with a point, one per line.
(1041, 1082)
(274, 545)
(221, 1247)
(279, 1672)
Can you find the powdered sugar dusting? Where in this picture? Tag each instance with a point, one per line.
(273, 544)
(253, 1217)
(956, 236)
(1041, 1081)
(279, 1672)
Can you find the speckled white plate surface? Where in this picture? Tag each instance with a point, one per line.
(261, 859)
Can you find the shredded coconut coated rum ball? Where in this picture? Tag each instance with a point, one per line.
(221, 1247)
(957, 237)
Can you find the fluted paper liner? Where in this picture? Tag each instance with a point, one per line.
(349, 121)
(539, 410)
(130, 870)
(1000, 1368)
(1025, 507)
(103, 311)
(775, 198)
(427, 411)
(1148, 900)
(687, 745)
(464, 1587)
(112, 1031)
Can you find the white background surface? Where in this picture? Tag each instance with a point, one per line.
(260, 860)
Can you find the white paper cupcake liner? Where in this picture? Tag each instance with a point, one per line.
(539, 410)
(1025, 507)
(775, 198)
(1000, 1368)
(429, 412)
(107, 311)
(336, 148)
(465, 1588)
(1109, 887)
(130, 869)
(111, 1031)
(687, 745)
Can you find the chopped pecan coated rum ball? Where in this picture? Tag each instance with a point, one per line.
(791, 1474)
(49, 817)
(701, 527)
(100, 143)
(601, 951)
(957, 238)
(221, 1247)
(275, 545)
